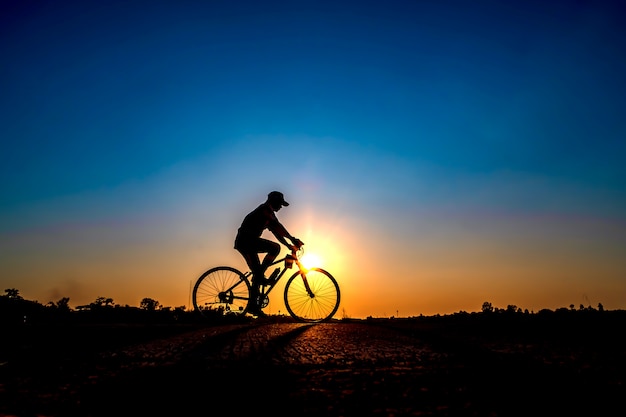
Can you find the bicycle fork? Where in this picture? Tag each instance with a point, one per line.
(264, 290)
(306, 285)
(303, 272)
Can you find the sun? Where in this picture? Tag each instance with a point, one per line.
(310, 260)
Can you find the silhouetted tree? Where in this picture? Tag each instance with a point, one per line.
(13, 293)
(512, 309)
(487, 307)
(149, 304)
(102, 302)
(600, 307)
(63, 304)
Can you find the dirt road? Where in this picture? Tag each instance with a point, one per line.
(341, 368)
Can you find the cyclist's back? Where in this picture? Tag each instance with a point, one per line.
(255, 222)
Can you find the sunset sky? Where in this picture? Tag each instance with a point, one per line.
(436, 154)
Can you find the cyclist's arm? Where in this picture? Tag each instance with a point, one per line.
(282, 235)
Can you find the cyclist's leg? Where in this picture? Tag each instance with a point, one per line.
(271, 249)
(252, 259)
(250, 251)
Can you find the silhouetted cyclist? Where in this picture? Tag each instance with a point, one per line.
(250, 243)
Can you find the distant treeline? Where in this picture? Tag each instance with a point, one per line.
(14, 309)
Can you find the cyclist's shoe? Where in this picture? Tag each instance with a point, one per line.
(254, 309)
(257, 312)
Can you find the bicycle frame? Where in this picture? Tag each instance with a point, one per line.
(266, 288)
(310, 295)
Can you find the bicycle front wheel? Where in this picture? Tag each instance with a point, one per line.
(312, 297)
(221, 290)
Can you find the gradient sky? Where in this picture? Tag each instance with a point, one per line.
(436, 154)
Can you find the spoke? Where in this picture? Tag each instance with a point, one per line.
(221, 289)
(320, 303)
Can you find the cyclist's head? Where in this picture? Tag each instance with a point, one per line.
(276, 199)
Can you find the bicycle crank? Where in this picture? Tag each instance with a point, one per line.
(226, 297)
(264, 300)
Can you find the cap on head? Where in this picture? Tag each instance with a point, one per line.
(277, 197)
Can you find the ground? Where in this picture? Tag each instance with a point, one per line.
(463, 366)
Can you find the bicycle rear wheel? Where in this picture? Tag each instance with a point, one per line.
(221, 290)
(318, 304)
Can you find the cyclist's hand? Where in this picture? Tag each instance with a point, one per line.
(297, 243)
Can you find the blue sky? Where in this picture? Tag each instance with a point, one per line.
(136, 135)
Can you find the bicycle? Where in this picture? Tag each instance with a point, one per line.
(311, 294)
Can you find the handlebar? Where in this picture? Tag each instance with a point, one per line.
(298, 252)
